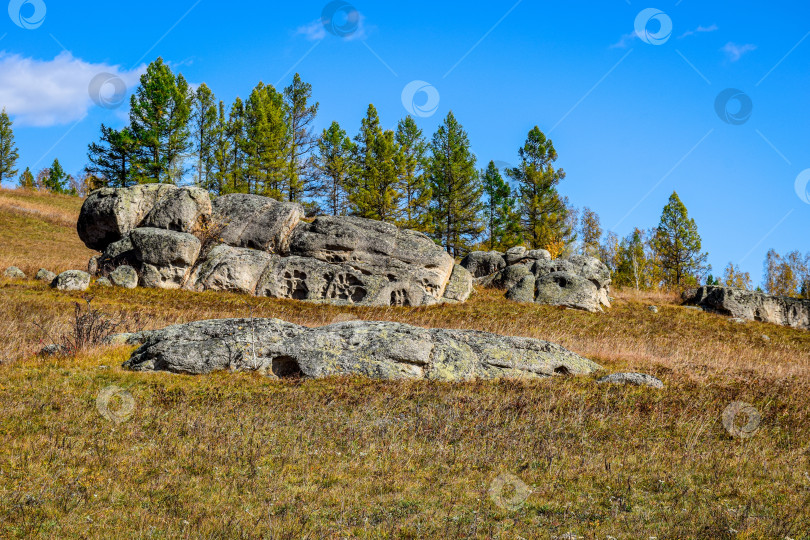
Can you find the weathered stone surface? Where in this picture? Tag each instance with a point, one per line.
(514, 255)
(653, 309)
(256, 222)
(108, 213)
(753, 306)
(53, 350)
(124, 276)
(179, 210)
(520, 255)
(523, 291)
(382, 350)
(567, 289)
(12, 272)
(72, 280)
(638, 379)
(509, 276)
(45, 275)
(483, 263)
(228, 268)
(375, 247)
(166, 256)
(103, 282)
(459, 286)
(119, 253)
(92, 265)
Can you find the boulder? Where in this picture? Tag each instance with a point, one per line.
(483, 263)
(125, 277)
(119, 253)
(166, 256)
(229, 268)
(653, 309)
(520, 255)
(72, 280)
(637, 379)
(256, 222)
(753, 306)
(509, 276)
(103, 282)
(377, 248)
(12, 272)
(183, 210)
(92, 265)
(380, 350)
(567, 289)
(109, 213)
(459, 286)
(523, 290)
(45, 275)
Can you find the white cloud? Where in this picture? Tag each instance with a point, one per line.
(735, 52)
(699, 30)
(350, 29)
(625, 41)
(52, 92)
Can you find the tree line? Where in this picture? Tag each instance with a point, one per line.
(266, 145)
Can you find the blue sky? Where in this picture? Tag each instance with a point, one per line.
(632, 119)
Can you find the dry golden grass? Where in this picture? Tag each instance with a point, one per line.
(237, 455)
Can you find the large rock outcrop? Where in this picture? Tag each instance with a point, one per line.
(380, 350)
(753, 306)
(579, 282)
(177, 238)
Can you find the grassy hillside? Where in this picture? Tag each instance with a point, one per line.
(237, 455)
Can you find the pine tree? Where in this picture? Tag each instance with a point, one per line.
(301, 142)
(363, 157)
(378, 196)
(219, 182)
(159, 117)
(456, 187)
(236, 135)
(57, 179)
(500, 215)
(203, 127)
(543, 212)
(266, 142)
(678, 244)
(8, 150)
(410, 161)
(590, 231)
(334, 162)
(26, 180)
(111, 158)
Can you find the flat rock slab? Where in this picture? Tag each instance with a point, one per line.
(637, 379)
(379, 350)
(744, 305)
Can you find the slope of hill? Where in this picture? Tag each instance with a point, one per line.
(240, 455)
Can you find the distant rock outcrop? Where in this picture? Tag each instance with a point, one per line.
(177, 238)
(380, 350)
(752, 305)
(578, 282)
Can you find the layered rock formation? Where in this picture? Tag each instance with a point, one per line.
(752, 306)
(578, 282)
(175, 237)
(380, 350)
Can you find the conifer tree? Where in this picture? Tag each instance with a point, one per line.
(543, 212)
(57, 178)
(236, 135)
(456, 188)
(219, 182)
(26, 180)
(203, 127)
(159, 118)
(410, 161)
(378, 196)
(266, 142)
(362, 158)
(299, 118)
(502, 221)
(590, 231)
(334, 162)
(8, 150)
(111, 158)
(678, 244)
